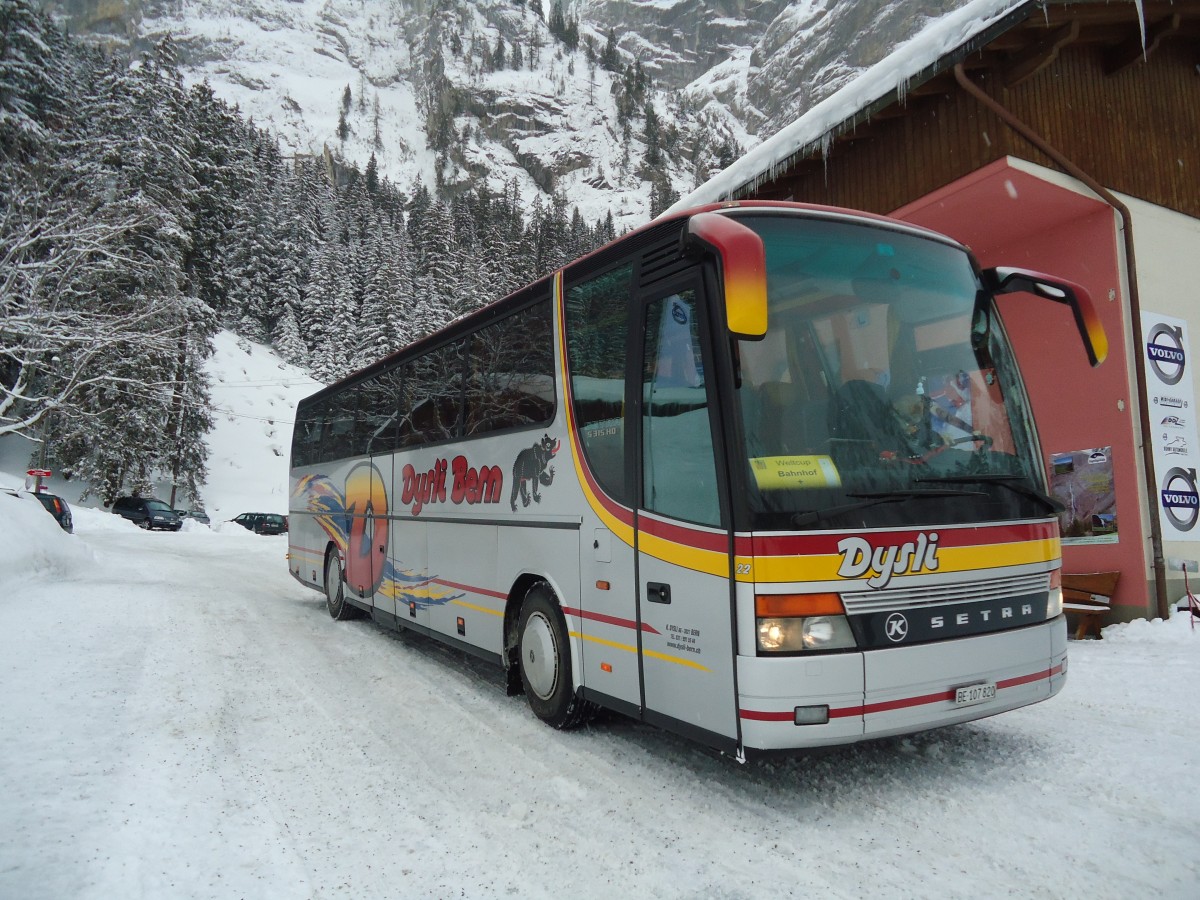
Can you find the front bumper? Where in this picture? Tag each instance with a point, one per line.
(899, 690)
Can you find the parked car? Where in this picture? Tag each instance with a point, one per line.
(197, 515)
(54, 505)
(148, 513)
(263, 523)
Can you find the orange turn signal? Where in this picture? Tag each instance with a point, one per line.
(1056, 579)
(782, 606)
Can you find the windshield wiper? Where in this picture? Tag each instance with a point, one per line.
(1015, 483)
(875, 498)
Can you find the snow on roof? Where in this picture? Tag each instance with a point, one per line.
(940, 37)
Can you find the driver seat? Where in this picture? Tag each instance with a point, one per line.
(861, 414)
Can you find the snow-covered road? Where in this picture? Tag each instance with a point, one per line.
(178, 718)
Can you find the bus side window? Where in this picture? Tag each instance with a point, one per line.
(337, 441)
(510, 380)
(306, 435)
(376, 431)
(407, 434)
(597, 328)
(436, 381)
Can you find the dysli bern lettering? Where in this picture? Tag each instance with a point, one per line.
(470, 485)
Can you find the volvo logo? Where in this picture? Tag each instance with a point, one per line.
(1164, 349)
(1179, 493)
(896, 628)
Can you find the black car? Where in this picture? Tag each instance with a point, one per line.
(263, 523)
(54, 505)
(148, 513)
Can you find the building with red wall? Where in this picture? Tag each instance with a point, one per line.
(1055, 136)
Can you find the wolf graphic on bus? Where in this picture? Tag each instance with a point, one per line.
(532, 466)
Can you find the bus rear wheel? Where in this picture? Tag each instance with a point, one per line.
(544, 660)
(335, 589)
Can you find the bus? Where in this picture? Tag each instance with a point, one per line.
(762, 474)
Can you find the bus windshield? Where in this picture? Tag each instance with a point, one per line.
(884, 392)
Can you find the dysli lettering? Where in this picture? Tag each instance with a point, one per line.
(860, 558)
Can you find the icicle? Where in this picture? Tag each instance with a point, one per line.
(826, 144)
(1141, 11)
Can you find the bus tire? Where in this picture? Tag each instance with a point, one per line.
(335, 589)
(544, 659)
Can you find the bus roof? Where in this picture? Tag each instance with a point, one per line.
(502, 305)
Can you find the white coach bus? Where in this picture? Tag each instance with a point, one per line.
(762, 474)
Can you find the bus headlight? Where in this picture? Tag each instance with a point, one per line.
(780, 634)
(1054, 603)
(791, 623)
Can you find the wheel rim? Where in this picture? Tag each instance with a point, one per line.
(539, 655)
(333, 579)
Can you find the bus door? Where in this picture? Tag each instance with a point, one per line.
(683, 562)
(378, 528)
(371, 526)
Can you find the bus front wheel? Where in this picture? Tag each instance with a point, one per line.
(335, 589)
(544, 657)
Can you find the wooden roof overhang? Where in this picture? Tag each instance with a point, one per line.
(1015, 47)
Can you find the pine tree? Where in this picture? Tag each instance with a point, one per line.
(653, 137)
(372, 175)
(557, 23)
(374, 339)
(610, 56)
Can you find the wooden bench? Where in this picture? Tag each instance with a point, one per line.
(1088, 596)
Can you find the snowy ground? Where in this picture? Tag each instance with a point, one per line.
(181, 719)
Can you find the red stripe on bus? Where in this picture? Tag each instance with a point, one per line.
(295, 548)
(466, 587)
(760, 716)
(1026, 679)
(970, 536)
(890, 705)
(689, 537)
(608, 620)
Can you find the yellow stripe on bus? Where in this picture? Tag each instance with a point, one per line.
(482, 609)
(630, 648)
(950, 559)
(711, 562)
(691, 664)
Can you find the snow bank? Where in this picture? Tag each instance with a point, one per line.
(1176, 630)
(32, 545)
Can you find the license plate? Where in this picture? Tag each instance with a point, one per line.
(975, 693)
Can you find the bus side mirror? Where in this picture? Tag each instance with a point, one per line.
(1004, 280)
(743, 268)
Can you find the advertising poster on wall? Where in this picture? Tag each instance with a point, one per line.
(1082, 481)
(1172, 406)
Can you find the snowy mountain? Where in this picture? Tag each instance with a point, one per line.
(455, 91)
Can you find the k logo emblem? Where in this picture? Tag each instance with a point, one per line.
(896, 628)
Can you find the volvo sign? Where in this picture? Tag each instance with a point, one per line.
(1171, 399)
